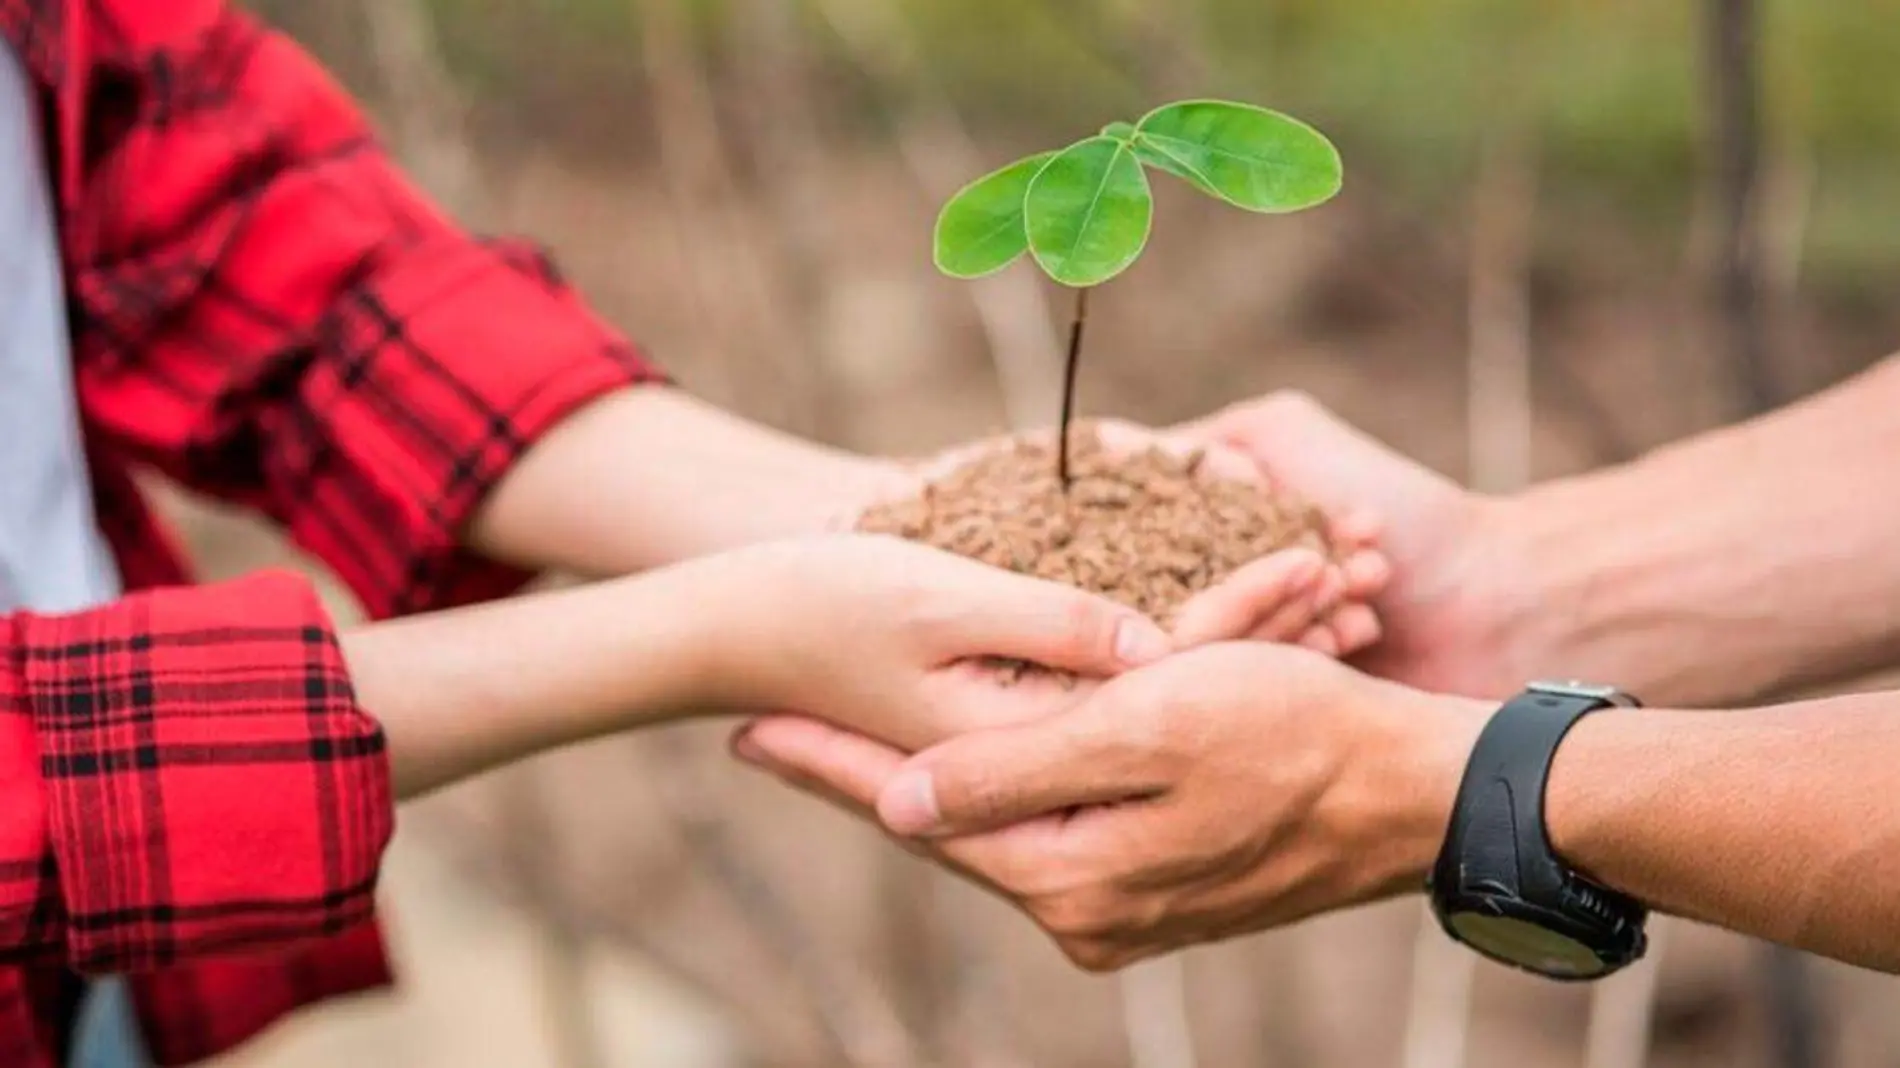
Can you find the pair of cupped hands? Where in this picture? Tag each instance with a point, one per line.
(1176, 786)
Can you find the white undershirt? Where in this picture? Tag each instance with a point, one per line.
(52, 556)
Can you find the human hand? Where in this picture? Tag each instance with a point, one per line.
(1297, 595)
(1453, 612)
(898, 641)
(1223, 790)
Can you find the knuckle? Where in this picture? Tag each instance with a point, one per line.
(1086, 913)
(1093, 956)
(1023, 874)
(921, 609)
(1089, 627)
(976, 796)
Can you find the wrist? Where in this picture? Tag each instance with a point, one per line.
(1602, 590)
(757, 629)
(462, 691)
(1612, 769)
(1419, 746)
(1545, 555)
(858, 482)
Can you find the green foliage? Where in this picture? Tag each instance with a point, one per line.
(981, 229)
(1250, 157)
(1088, 212)
(1084, 213)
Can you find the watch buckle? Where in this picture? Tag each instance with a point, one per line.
(1586, 691)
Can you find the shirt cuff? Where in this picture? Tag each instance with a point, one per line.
(209, 783)
(470, 353)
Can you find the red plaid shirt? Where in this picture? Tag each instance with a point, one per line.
(264, 310)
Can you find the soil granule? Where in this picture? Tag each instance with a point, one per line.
(1148, 529)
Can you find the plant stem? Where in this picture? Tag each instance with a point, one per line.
(1068, 385)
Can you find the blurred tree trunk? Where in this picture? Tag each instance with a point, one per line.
(1732, 62)
(1499, 419)
(427, 111)
(1499, 415)
(779, 117)
(763, 360)
(1011, 306)
(1732, 59)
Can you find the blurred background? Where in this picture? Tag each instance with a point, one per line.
(1571, 231)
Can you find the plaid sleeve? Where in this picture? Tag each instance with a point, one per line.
(271, 313)
(184, 773)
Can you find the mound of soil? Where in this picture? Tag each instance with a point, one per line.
(1148, 529)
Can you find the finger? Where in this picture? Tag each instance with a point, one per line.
(1367, 572)
(1121, 438)
(1289, 624)
(846, 768)
(998, 614)
(1355, 628)
(1222, 462)
(1317, 455)
(1359, 528)
(990, 779)
(1321, 640)
(1244, 601)
(1211, 458)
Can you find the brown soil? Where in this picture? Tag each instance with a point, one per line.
(1149, 530)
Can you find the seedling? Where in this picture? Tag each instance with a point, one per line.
(1084, 212)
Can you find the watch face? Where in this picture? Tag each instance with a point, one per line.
(1526, 945)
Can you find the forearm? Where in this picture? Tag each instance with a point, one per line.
(1741, 563)
(1776, 822)
(461, 692)
(648, 476)
(1773, 822)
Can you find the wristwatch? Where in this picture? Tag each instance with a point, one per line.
(1498, 887)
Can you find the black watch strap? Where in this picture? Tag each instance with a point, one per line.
(1505, 780)
(1497, 857)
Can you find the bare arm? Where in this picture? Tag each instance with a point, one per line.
(1743, 562)
(1776, 822)
(462, 692)
(650, 476)
(868, 632)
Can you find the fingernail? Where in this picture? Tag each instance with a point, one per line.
(908, 805)
(1139, 641)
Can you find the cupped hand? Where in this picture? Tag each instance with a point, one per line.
(1229, 789)
(1447, 587)
(900, 642)
(1296, 596)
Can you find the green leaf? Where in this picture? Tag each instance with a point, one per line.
(980, 231)
(1248, 156)
(1120, 131)
(1154, 157)
(1088, 212)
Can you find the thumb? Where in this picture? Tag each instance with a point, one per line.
(1306, 447)
(1004, 615)
(995, 778)
(1278, 594)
